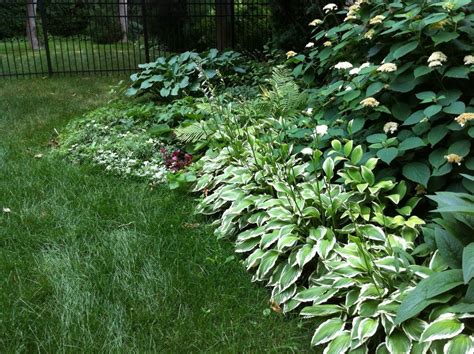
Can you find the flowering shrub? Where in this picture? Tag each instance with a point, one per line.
(396, 77)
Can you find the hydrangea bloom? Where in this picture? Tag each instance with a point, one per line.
(387, 68)
(462, 119)
(377, 20)
(436, 59)
(390, 127)
(290, 54)
(343, 65)
(469, 60)
(369, 102)
(321, 130)
(453, 158)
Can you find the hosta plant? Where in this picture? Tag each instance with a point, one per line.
(182, 74)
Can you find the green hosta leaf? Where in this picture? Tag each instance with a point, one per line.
(232, 195)
(286, 241)
(280, 213)
(387, 155)
(443, 328)
(328, 168)
(417, 172)
(311, 294)
(305, 254)
(367, 175)
(468, 262)
(320, 310)
(459, 344)
(340, 344)
(397, 343)
(405, 49)
(432, 110)
(458, 72)
(418, 299)
(366, 328)
(411, 143)
(356, 155)
(372, 232)
(450, 248)
(327, 331)
(374, 88)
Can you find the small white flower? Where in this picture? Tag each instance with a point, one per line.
(321, 130)
(7, 210)
(390, 127)
(308, 111)
(435, 64)
(365, 65)
(307, 151)
(38, 156)
(354, 71)
(290, 54)
(469, 60)
(348, 88)
(343, 65)
(310, 45)
(377, 20)
(369, 102)
(329, 7)
(315, 22)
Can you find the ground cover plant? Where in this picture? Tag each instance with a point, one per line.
(100, 264)
(345, 183)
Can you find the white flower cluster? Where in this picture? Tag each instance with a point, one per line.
(343, 65)
(329, 7)
(437, 59)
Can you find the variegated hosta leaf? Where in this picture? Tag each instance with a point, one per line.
(282, 296)
(340, 344)
(460, 344)
(289, 276)
(254, 259)
(372, 232)
(321, 310)
(397, 342)
(362, 330)
(447, 326)
(267, 262)
(327, 331)
(414, 328)
(280, 213)
(290, 305)
(305, 254)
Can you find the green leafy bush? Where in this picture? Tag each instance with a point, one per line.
(104, 28)
(396, 76)
(183, 74)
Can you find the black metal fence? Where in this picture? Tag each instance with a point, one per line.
(58, 37)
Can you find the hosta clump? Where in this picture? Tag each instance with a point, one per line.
(396, 76)
(340, 252)
(180, 75)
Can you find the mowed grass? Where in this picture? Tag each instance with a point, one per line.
(93, 263)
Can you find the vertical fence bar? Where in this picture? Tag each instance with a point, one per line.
(145, 32)
(45, 35)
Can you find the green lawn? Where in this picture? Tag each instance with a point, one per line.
(70, 55)
(93, 263)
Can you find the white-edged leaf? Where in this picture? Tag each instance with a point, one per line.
(459, 344)
(289, 276)
(442, 328)
(327, 331)
(320, 310)
(311, 294)
(398, 342)
(468, 262)
(340, 344)
(305, 254)
(373, 232)
(414, 328)
(267, 263)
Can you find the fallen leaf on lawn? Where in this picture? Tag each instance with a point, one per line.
(275, 306)
(7, 210)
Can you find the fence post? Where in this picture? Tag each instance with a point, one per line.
(224, 24)
(42, 12)
(145, 32)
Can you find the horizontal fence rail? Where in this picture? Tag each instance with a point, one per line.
(59, 37)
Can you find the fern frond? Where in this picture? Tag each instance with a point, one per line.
(192, 133)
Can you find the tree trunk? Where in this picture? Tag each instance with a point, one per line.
(224, 22)
(123, 16)
(31, 32)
